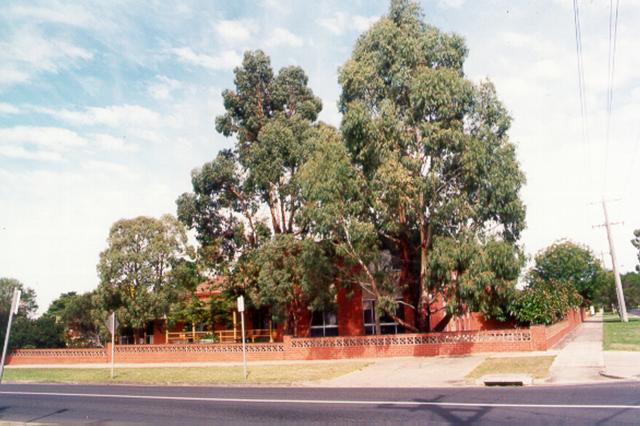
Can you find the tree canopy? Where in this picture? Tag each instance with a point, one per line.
(565, 261)
(272, 117)
(137, 270)
(430, 164)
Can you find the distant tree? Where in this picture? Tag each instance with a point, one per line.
(565, 261)
(606, 297)
(26, 332)
(79, 318)
(43, 332)
(136, 269)
(636, 244)
(27, 307)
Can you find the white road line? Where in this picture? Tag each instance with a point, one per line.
(327, 401)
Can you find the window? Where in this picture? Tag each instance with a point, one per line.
(387, 324)
(324, 324)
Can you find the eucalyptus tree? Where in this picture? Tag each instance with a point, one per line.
(245, 203)
(433, 151)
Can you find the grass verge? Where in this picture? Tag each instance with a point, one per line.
(534, 366)
(258, 374)
(620, 336)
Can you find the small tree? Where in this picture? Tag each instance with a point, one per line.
(135, 270)
(77, 315)
(565, 261)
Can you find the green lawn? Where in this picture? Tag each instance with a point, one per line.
(619, 336)
(259, 374)
(534, 366)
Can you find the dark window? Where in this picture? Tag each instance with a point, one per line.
(324, 324)
(387, 324)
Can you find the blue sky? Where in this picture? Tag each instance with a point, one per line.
(106, 107)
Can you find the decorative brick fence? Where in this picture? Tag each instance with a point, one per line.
(535, 338)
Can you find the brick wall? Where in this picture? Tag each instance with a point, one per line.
(535, 338)
(57, 356)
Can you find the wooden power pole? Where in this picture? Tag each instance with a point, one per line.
(614, 262)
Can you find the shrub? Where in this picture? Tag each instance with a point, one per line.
(544, 302)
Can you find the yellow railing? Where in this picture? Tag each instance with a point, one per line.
(222, 336)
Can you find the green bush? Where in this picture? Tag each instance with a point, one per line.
(544, 302)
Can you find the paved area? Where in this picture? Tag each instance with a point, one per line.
(579, 356)
(410, 372)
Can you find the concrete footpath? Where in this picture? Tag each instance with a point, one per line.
(579, 360)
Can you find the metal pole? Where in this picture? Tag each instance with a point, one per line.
(14, 308)
(244, 348)
(113, 342)
(616, 273)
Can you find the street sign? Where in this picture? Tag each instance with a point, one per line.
(15, 303)
(112, 323)
(241, 304)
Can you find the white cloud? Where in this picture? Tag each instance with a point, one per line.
(111, 143)
(162, 87)
(362, 23)
(107, 168)
(226, 60)
(8, 109)
(38, 143)
(341, 23)
(21, 153)
(450, 4)
(234, 31)
(112, 116)
(27, 53)
(66, 14)
(47, 137)
(283, 37)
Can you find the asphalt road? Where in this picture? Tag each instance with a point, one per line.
(617, 403)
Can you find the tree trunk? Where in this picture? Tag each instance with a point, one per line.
(423, 302)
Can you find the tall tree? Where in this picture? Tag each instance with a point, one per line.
(431, 145)
(272, 116)
(136, 269)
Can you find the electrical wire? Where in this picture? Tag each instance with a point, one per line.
(613, 35)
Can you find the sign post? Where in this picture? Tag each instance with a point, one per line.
(15, 304)
(112, 324)
(244, 347)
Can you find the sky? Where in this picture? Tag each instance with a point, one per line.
(106, 107)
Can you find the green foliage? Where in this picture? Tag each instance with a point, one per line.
(636, 244)
(27, 332)
(38, 333)
(79, 318)
(606, 296)
(137, 275)
(479, 276)
(567, 262)
(428, 162)
(27, 306)
(272, 116)
(545, 302)
(293, 275)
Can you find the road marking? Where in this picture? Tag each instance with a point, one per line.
(326, 401)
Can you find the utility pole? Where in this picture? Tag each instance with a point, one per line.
(15, 305)
(614, 262)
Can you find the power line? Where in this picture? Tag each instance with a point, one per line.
(613, 35)
(581, 88)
